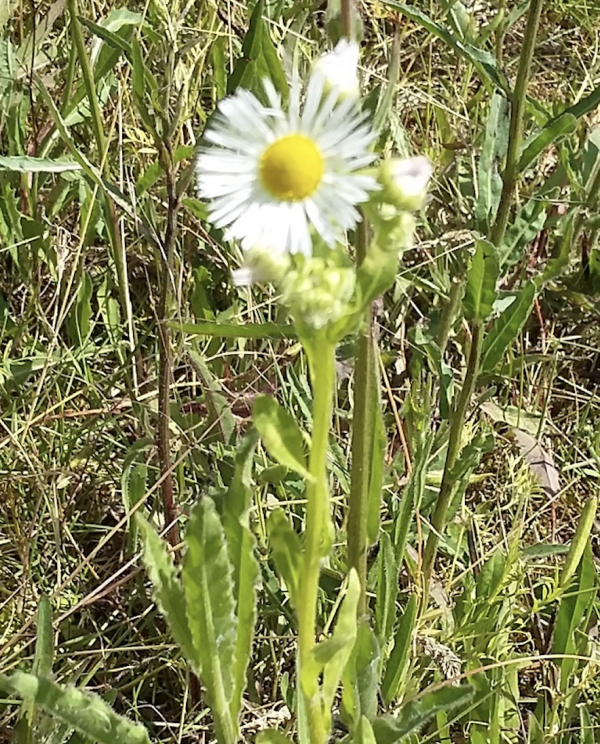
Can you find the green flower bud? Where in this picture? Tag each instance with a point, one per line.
(404, 182)
(318, 293)
(261, 265)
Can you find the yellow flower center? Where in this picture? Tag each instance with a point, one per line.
(291, 168)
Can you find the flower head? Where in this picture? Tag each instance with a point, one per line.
(272, 176)
(405, 181)
(339, 68)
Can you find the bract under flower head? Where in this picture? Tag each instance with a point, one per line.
(271, 175)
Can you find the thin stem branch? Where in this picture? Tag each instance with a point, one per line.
(452, 454)
(321, 359)
(165, 362)
(518, 99)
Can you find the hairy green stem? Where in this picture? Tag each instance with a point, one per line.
(454, 449)
(518, 100)
(363, 432)
(321, 358)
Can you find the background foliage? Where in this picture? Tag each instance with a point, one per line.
(101, 108)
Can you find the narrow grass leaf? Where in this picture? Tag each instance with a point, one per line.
(232, 330)
(580, 541)
(84, 711)
(287, 552)
(27, 164)
(208, 586)
(396, 666)
(417, 712)
(44, 640)
(280, 434)
(377, 469)
(387, 590)
(574, 605)
(480, 291)
(246, 573)
(507, 327)
(484, 62)
(168, 592)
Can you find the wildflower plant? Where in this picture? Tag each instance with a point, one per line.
(289, 184)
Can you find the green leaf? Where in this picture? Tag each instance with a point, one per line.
(377, 468)
(480, 292)
(484, 62)
(231, 330)
(331, 656)
(573, 608)
(417, 712)
(413, 494)
(493, 151)
(246, 574)
(168, 592)
(280, 434)
(564, 124)
(387, 590)
(245, 72)
(527, 224)
(580, 541)
(84, 711)
(44, 640)
(507, 327)
(134, 478)
(364, 733)
(361, 676)
(271, 736)
(490, 579)
(396, 666)
(287, 552)
(208, 586)
(27, 164)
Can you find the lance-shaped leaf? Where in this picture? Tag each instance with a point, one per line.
(494, 149)
(396, 665)
(208, 586)
(280, 434)
(246, 575)
(416, 713)
(168, 592)
(507, 327)
(83, 711)
(364, 733)
(480, 292)
(287, 552)
(331, 656)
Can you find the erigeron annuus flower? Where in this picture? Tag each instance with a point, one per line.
(272, 176)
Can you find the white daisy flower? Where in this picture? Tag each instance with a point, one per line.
(271, 175)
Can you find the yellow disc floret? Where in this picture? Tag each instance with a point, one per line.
(291, 168)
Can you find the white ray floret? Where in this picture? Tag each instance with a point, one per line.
(271, 176)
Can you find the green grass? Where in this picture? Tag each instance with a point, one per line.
(81, 274)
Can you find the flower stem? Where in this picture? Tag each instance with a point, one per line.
(321, 359)
(452, 454)
(518, 97)
(363, 428)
